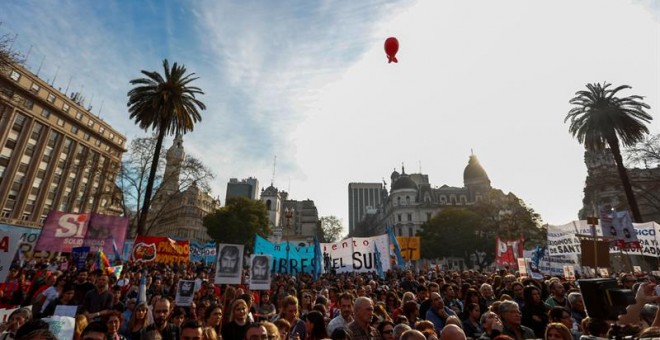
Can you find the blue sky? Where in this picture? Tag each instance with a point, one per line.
(308, 81)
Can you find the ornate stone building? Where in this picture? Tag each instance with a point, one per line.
(175, 213)
(412, 200)
(603, 186)
(296, 220)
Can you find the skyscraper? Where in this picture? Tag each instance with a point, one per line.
(361, 198)
(248, 187)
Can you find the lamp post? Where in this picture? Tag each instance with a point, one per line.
(288, 214)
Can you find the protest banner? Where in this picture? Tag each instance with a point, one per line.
(196, 251)
(79, 255)
(260, 272)
(66, 310)
(569, 273)
(128, 248)
(160, 250)
(357, 254)
(29, 237)
(522, 266)
(185, 293)
(508, 251)
(210, 252)
(63, 231)
(102, 230)
(8, 246)
(230, 264)
(287, 257)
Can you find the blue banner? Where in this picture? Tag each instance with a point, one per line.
(211, 252)
(79, 255)
(287, 257)
(128, 248)
(196, 251)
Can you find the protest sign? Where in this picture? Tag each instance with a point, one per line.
(29, 237)
(63, 231)
(229, 265)
(569, 273)
(410, 247)
(508, 251)
(62, 327)
(210, 252)
(357, 254)
(79, 255)
(8, 246)
(196, 251)
(287, 257)
(66, 310)
(103, 230)
(185, 293)
(522, 266)
(260, 272)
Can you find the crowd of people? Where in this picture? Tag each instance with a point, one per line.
(406, 304)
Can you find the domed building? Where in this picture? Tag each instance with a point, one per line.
(412, 200)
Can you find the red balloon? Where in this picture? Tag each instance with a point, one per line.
(391, 47)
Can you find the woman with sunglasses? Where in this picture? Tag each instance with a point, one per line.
(386, 330)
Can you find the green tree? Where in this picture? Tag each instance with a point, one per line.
(601, 118)
(238, 222)
(332, 228)
(450, 233)
(168, 105)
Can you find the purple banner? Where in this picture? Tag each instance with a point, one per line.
(79, 255)
(62, 232)
(103, 230)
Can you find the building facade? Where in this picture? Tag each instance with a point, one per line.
(290, 219)
(412, 200)
(179, 213)
(603, 187)
(248, 187)
(363, 198)
(56, 155)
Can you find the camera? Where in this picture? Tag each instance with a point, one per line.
(603, 299)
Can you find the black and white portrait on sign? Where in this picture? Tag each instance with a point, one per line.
(229, 264)
(260, 272)
(185, 293)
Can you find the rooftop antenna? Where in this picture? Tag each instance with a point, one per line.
(27, 56)
(89, 106)
(420, 167)
(100, 109)
(67, 86)
(13, 41)
(55, 77)
(40, 65)
(272, 179)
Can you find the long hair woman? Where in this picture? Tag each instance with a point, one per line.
(535, 311)
(113, 321)
(471, 321)
(138, 322)
(386, 330)
(238, 321)
(213, 318)
(315, 326)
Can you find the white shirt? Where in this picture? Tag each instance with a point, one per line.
(337, 322)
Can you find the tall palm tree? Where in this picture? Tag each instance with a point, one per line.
(168, 105)
(600, 118)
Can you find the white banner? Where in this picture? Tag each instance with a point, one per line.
(562, 240)
(357, 254)
(185, 293)
(229, 265)
(260, 272)
(8, 245)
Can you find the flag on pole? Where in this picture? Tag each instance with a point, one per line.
(318, 258)
(115, 250)
(397, 250)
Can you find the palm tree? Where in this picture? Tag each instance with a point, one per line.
(165, 104)
(600, 118)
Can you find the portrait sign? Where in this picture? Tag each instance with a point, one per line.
(229, 267)
(260, 272)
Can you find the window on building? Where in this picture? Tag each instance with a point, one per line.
(35, 88)
(86, 136)
(410, 232)
(18, 123)
(79, 115)
(101, 130)
(51, 98)
(90, 123)
(28, 103)
(15, 76)
(428, 216)
(65, 107)
(74, 129)
(60, 122)
(398, 217)
(409, 217)
(45, 113)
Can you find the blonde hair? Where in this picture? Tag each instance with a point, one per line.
(209, 333)
(561, 328)
(235, 304)
(81, 323)
(271, 329)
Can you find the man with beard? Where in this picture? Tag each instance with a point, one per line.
(426, 304)
(346, 313)
(161, 313)
(260, 268)
(82, 285)
(229, 260)
(98, 302)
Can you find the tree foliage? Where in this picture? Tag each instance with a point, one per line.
(8, 56)
(332, 228)
(471, 232)
(600, 118)
(238, 222)
(135, 168)
(168, 105)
